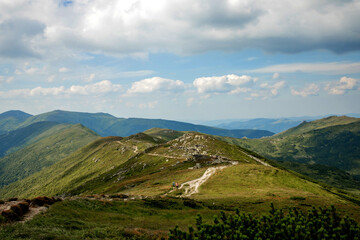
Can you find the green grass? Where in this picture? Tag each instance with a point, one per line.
(93, 219)
(54, 144)
(337, 146)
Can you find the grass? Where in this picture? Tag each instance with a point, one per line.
(93, 219)
(55, 144)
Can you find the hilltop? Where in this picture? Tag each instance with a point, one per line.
(11, 119)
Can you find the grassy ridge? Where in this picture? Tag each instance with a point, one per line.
(10, 120)
(56, 143)
(337, 145)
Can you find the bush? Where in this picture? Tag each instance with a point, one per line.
(17, 209)
(41, 201)
(24, 207)
(316, 224)
(10, 215)
(297, 198)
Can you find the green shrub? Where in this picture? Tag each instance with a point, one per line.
(316, 224)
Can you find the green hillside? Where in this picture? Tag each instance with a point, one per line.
(17, 139)
(10, 120)
(52, 145)
(146, 165)
(108, 125)
(337, 144)
(121, 188)
(317, 124)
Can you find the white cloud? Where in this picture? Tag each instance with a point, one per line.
(104, 86)
(44, 28)
(310, 90)
(93, 89)
(276, 75)
(90, 78)
(240, 90)
(64, 70)
(274, 89)
(345, 84)
(327, 68)
(226, 83)
(156, 84)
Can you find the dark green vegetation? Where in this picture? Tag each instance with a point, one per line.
(51, 142)
(316, 224)
(108, 125)
(332, 141)
(11, 119)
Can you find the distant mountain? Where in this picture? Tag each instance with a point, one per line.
(11, 119)
(98, 122)
(108, 125)
(273, 125)
(332, 141)
(48, 146)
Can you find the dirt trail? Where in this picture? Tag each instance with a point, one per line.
(192, 187)
(33, 211)
(258, 160)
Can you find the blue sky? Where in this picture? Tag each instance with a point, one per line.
(183, 60)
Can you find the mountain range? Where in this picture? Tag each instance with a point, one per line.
(140, 185)
(108, 125)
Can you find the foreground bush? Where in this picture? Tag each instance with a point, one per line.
(316, 224)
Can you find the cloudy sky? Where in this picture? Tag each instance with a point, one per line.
(181, 59)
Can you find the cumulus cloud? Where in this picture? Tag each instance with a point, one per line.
(40, 27)
(154, 84)
(310, 90)
(327, 68)
(274, 89)
(97, 88)
(227, 83)
(342, 86)
(94, 89)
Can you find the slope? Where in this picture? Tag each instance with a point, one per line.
(206, 169)
(55, 144)
(17, 139)
(84, 164)
(333, 141)
(107, 125)
(318, 124)
(11, 119)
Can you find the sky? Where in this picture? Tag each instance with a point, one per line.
(181, 59)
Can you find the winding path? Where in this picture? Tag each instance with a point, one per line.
(192, 187)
